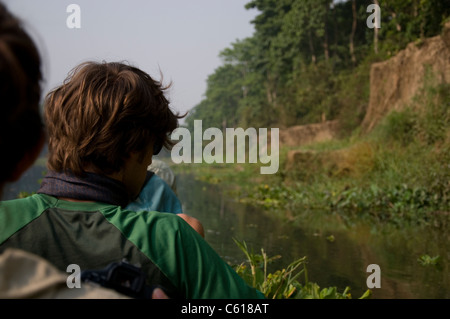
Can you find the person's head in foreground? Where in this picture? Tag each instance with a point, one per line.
(21, 127)
(22, 274)
(110, 119)
(104, 124)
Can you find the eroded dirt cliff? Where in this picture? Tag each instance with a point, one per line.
(395, 82)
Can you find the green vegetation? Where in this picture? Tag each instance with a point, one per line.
(426, 260)
(310, 59)
(399, 174)
(24, 194)
(285, 283)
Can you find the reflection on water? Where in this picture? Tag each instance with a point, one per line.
(340, 260)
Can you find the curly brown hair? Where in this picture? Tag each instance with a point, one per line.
(103, 112)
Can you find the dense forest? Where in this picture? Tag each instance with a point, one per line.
(313, 61)
(309, 60)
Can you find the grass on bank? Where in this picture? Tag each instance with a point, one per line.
(399, 174)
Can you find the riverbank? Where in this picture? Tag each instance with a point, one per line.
(413, 260)
(398, 175)
(389, 191)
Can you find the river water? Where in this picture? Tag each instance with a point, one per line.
(340, 262)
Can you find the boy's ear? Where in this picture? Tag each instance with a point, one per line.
(27, 160)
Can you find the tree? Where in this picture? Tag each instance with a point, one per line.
(287, 73)
(375, 32)
(352, 35)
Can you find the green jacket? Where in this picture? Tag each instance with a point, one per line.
(93, 235)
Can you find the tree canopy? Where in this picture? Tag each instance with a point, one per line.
(307, 60)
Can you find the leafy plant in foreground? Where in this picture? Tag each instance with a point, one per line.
(284, 283)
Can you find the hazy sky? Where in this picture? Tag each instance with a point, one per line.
(182, 38)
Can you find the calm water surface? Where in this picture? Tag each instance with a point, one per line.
(340, 262)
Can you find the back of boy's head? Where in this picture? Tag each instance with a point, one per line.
(101, 114)
(21, 125)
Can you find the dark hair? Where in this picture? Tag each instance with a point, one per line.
(103, 112)
(21, 125)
